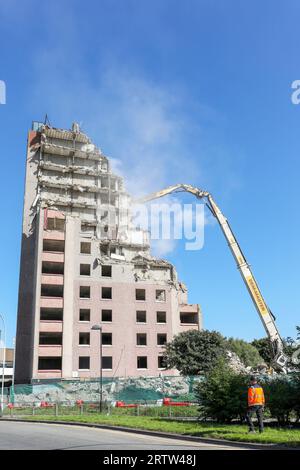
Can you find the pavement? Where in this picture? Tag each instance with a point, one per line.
(41, 436)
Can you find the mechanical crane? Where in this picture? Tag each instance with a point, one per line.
(279, 358)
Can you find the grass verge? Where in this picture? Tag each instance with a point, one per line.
(289, 437)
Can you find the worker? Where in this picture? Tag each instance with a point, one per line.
(256, 403)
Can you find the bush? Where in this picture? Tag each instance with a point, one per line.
(193, 352)
(222, 395)
(282, 397)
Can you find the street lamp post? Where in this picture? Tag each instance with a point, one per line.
(13, 376)
(99, 328)
(3, 363)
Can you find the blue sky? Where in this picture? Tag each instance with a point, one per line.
(196, 92)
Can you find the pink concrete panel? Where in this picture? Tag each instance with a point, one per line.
(52, 326)
(53, 279)
(51, 302)
(53, 235)
(54, 257)
(188, 326)
(188, 308)
(51, 351)
(45, 374)
(57, 214)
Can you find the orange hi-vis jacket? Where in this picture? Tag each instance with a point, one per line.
(256, 395)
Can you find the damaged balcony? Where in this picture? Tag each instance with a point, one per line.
(63, 134)
(48, 182)
(91, 152)
(67, 202)
(76, 169)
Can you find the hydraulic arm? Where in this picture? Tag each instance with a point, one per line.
(267, 318)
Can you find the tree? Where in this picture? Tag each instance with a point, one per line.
(194, 352)
(263, 346)
(248, 353)
(222, 394)
(282, 397)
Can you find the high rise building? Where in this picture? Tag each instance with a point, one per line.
(84, 263)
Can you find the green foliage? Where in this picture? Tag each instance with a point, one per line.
(223, 394)
(194, 352)
(282, 394)
(263, 346)
(247, 352)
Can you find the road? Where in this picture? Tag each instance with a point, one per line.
(40, 436)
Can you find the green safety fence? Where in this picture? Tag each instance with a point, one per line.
(128, 390)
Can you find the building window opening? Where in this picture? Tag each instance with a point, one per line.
(160, 362)
(106, 339)
(142, 362)
(141, 316)
(84, 363)
(51, 314)
(85, 248)
(106, 315)
(85, 270)
(140, 294)
(55, 224)
(84, 314)
(161, 317)
(84, 292)
(107, 362)
(49, 363)
(189, 318)
(161, 339)
(160, 295)
(52, 290)
(106, 271)
(50, 338)
(52, 268)
(141, 339)
(84, 338)
(54, 246)
(106, 293)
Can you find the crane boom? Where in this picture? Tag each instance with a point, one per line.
(266, 316)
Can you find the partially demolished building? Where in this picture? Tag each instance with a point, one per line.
(83, 263)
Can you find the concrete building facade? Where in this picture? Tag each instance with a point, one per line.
(84, 263)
